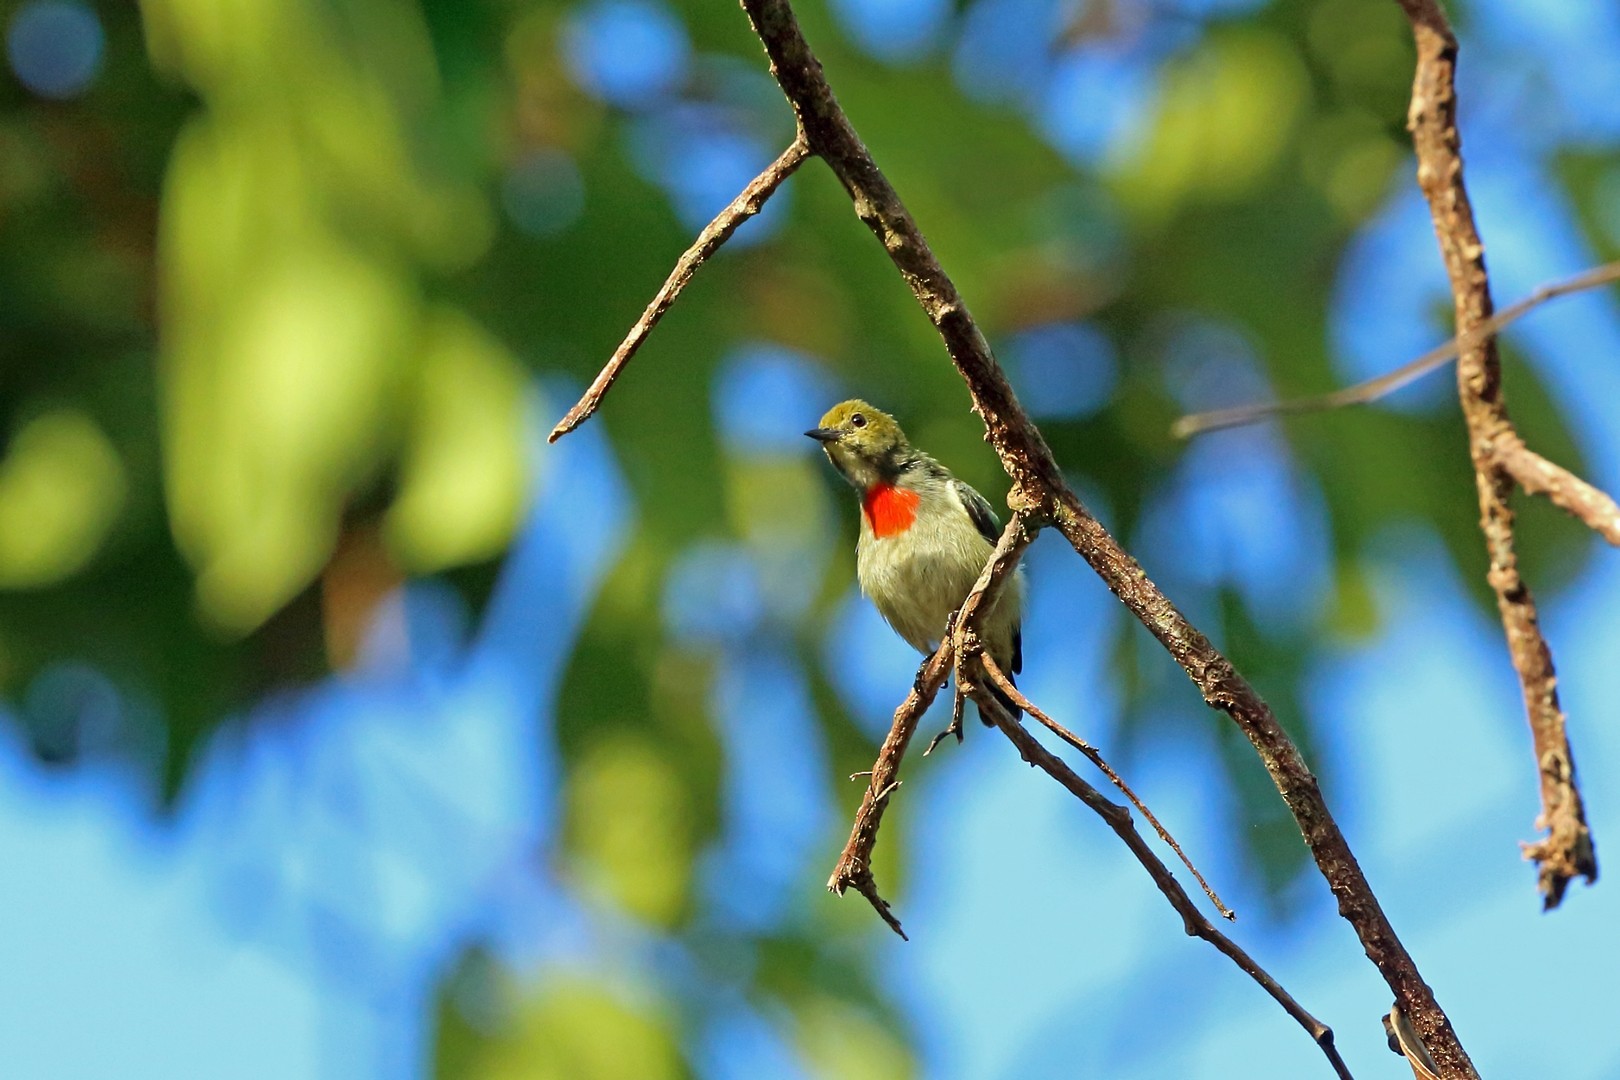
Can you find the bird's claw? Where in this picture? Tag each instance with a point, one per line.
(955, 727)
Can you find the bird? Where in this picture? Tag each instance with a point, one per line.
(925, 537)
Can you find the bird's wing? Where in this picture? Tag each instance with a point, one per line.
(978, 508)
(989, 526)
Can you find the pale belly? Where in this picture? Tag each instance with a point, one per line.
(916, 586)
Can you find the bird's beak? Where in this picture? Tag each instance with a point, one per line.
(824, 434)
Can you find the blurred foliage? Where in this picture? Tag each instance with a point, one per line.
(571, 1029)
(272, 289)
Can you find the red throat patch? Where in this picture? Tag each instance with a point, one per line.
(890, 510)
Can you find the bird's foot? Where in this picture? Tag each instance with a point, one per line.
(954, 729)
(917, 679)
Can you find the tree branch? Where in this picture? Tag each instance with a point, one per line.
(1092, 754)
(1040, 495)
(750, 202)
(1040, 490)
(1499, 456)
(1193, 921)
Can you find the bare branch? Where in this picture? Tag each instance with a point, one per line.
(854, 867)
(1567, 851)
(1017, 697)
(1363, 393)
(1538, 476)
(717, 232)
(1193, 921)
(1039, 495)
(1040, 490)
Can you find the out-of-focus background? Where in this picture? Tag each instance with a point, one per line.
(348, 730)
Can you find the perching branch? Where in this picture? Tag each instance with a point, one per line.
(1040, 495)
(1363, 393)
(1039, 490)
(1500, 458)
(1118, 818)
(717, 232)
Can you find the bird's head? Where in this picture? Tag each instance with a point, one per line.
(863, 443)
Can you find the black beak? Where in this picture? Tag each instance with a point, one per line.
(824, 434)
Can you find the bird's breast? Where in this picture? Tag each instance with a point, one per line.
(890, 510)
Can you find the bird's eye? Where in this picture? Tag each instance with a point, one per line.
(857, 420)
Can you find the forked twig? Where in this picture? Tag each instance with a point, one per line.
(1193, 921)
(1019, 698)
(958, 700)
(854, 866)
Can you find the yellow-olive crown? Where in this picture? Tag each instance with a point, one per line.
(859, 428)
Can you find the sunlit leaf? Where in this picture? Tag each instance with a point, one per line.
(842, 1042)
(61, 487)
(464, 473)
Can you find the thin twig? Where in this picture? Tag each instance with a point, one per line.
(1019, 698)
(1193, 921)
(854, 867)
(1040, 491)
(1566, 852)
(717, 232)
(1363, 393)
(1538, 476)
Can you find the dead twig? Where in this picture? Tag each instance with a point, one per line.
(1018, 697)
(717, 232)
(854, 867)
(1118, 818)
(1371, 390)
(958, 699)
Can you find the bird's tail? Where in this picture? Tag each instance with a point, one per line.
(1006, 702)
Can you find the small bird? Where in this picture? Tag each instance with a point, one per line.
(925, 536)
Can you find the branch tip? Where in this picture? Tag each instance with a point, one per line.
(750, 202)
